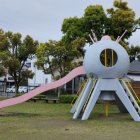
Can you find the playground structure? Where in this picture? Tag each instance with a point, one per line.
(13, 101)
(106, 63)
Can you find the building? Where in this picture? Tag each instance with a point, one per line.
(134, 71)
(39, 76)
(134, 76)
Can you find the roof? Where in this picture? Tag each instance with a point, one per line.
(133, 77)
(134, 67)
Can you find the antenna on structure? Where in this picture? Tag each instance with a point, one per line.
(94, 36)
(91, 38)
(119, 38)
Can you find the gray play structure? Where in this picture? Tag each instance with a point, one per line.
(106, 64)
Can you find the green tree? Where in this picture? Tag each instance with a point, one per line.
(78, 29)
(121, 18)
(134, 52)
(14, 54)
(112, 22)
(94, 18)
(3, 48)
(2, 71)
(57, 56)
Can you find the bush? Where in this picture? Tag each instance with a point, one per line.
(67, 98)
(138, 103)
(18, 94)
(40, 96)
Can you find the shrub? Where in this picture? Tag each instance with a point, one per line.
(67, 98)
(138, 103)
(40, 96)
(18, 94)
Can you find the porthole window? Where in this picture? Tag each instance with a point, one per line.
(108, 57)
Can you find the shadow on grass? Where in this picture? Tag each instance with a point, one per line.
(111, 117)
(18, 114)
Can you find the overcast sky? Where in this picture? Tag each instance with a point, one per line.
(42, 19)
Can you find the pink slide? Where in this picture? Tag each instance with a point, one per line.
(13, 101)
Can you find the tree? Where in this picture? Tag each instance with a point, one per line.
(2, 71)
(112, 22)
(121, 18)
(94, 18)
(57, 56)
(3, 47)
(134, 52)
(78, 29)
(14, 54)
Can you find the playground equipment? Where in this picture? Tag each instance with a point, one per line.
(13, 101)
(106, 63)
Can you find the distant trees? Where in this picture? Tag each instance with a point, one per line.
(3, 46)
(2, 71)
(58, 57)
(14, 52)
(134, 52)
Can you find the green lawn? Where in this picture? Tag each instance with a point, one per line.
(41, 121)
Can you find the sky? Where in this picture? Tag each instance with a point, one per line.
(42, 19)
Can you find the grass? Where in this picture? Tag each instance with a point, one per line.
(41, 121)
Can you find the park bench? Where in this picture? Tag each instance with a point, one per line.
(38, 97)
(52, 99)
(46, 98)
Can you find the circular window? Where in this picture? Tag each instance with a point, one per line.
(108, 57)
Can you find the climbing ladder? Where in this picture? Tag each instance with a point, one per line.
(89, 95)
(79, 94)
(85, 98)
(131, 95)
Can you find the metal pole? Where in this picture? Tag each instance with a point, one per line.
(106, 108)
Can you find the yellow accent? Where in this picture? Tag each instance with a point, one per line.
(105, 58)
(112, 58)
(134, 93)
(78, 92)
(106, 108)
(89, 95)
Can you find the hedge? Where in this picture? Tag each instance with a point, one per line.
(138, 103)
(67, 98)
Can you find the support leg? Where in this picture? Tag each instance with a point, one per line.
(94, 97)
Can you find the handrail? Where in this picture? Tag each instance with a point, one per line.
(105, 58)
(80, 96)
(81, 87)
(89, 94)
(133, 91)
(131, 96)
(112, 58)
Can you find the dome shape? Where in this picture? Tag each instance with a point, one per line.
(106, 37)
(113, 68)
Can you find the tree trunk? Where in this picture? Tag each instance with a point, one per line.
(16, 89)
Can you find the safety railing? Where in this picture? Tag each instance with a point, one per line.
(132, 98)
(133, 91)
(91, 90)
(80, 90)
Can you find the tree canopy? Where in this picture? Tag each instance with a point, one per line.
(14, 52)
(58, 57)
(134, 52)
(113, 21)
